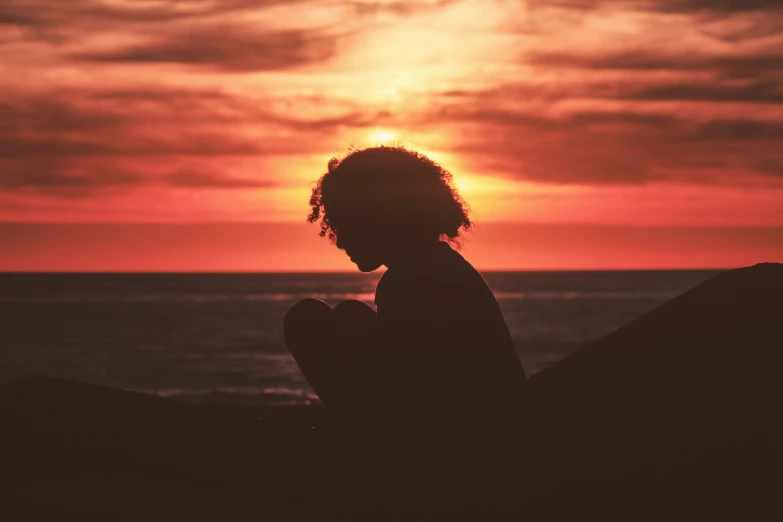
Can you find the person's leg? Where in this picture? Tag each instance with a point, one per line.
(355, 322)
(327, 345)
(309, 331)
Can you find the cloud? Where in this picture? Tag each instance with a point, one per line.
(771, 166)
(16, 19)
(77, 177)
(742, 131)
(750, 92)
(204, 179)
(62, 178)
(684, 87)
(227, 48)
(669, 6)
(729, 21)
(217, 34)
(397, 7)
(198, 32)
(632, 92)
(610, 147)
(748, 64)
(53, 13)
(81, 143)
(159, 121)
(721, 6)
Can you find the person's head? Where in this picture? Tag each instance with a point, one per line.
(378, 202)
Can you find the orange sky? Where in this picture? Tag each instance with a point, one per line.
(573, 121)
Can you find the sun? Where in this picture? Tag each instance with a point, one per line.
(383, 135)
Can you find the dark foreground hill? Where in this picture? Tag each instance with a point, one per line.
(676, 415)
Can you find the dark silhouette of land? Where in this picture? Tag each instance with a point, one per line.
(675, 415)
(677, 412)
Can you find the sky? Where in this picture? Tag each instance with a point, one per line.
(185, 135)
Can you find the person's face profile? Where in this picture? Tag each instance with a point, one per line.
(360, 240)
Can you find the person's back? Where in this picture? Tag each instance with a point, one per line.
(455, 396)
(438, 318)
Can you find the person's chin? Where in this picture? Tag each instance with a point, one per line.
(366, 266)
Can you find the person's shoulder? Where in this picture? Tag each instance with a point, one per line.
(453, 257)
(434, 277)
(455, 268)
(448, 275)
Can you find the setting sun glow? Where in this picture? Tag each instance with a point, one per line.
(383, 135)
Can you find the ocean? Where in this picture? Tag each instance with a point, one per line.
(218, 337)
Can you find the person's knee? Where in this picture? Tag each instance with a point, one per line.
(307, 317)
(353, 315)
(308, 309)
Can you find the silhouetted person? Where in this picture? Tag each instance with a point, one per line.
(435, 372)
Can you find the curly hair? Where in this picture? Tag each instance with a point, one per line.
(390, 186)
